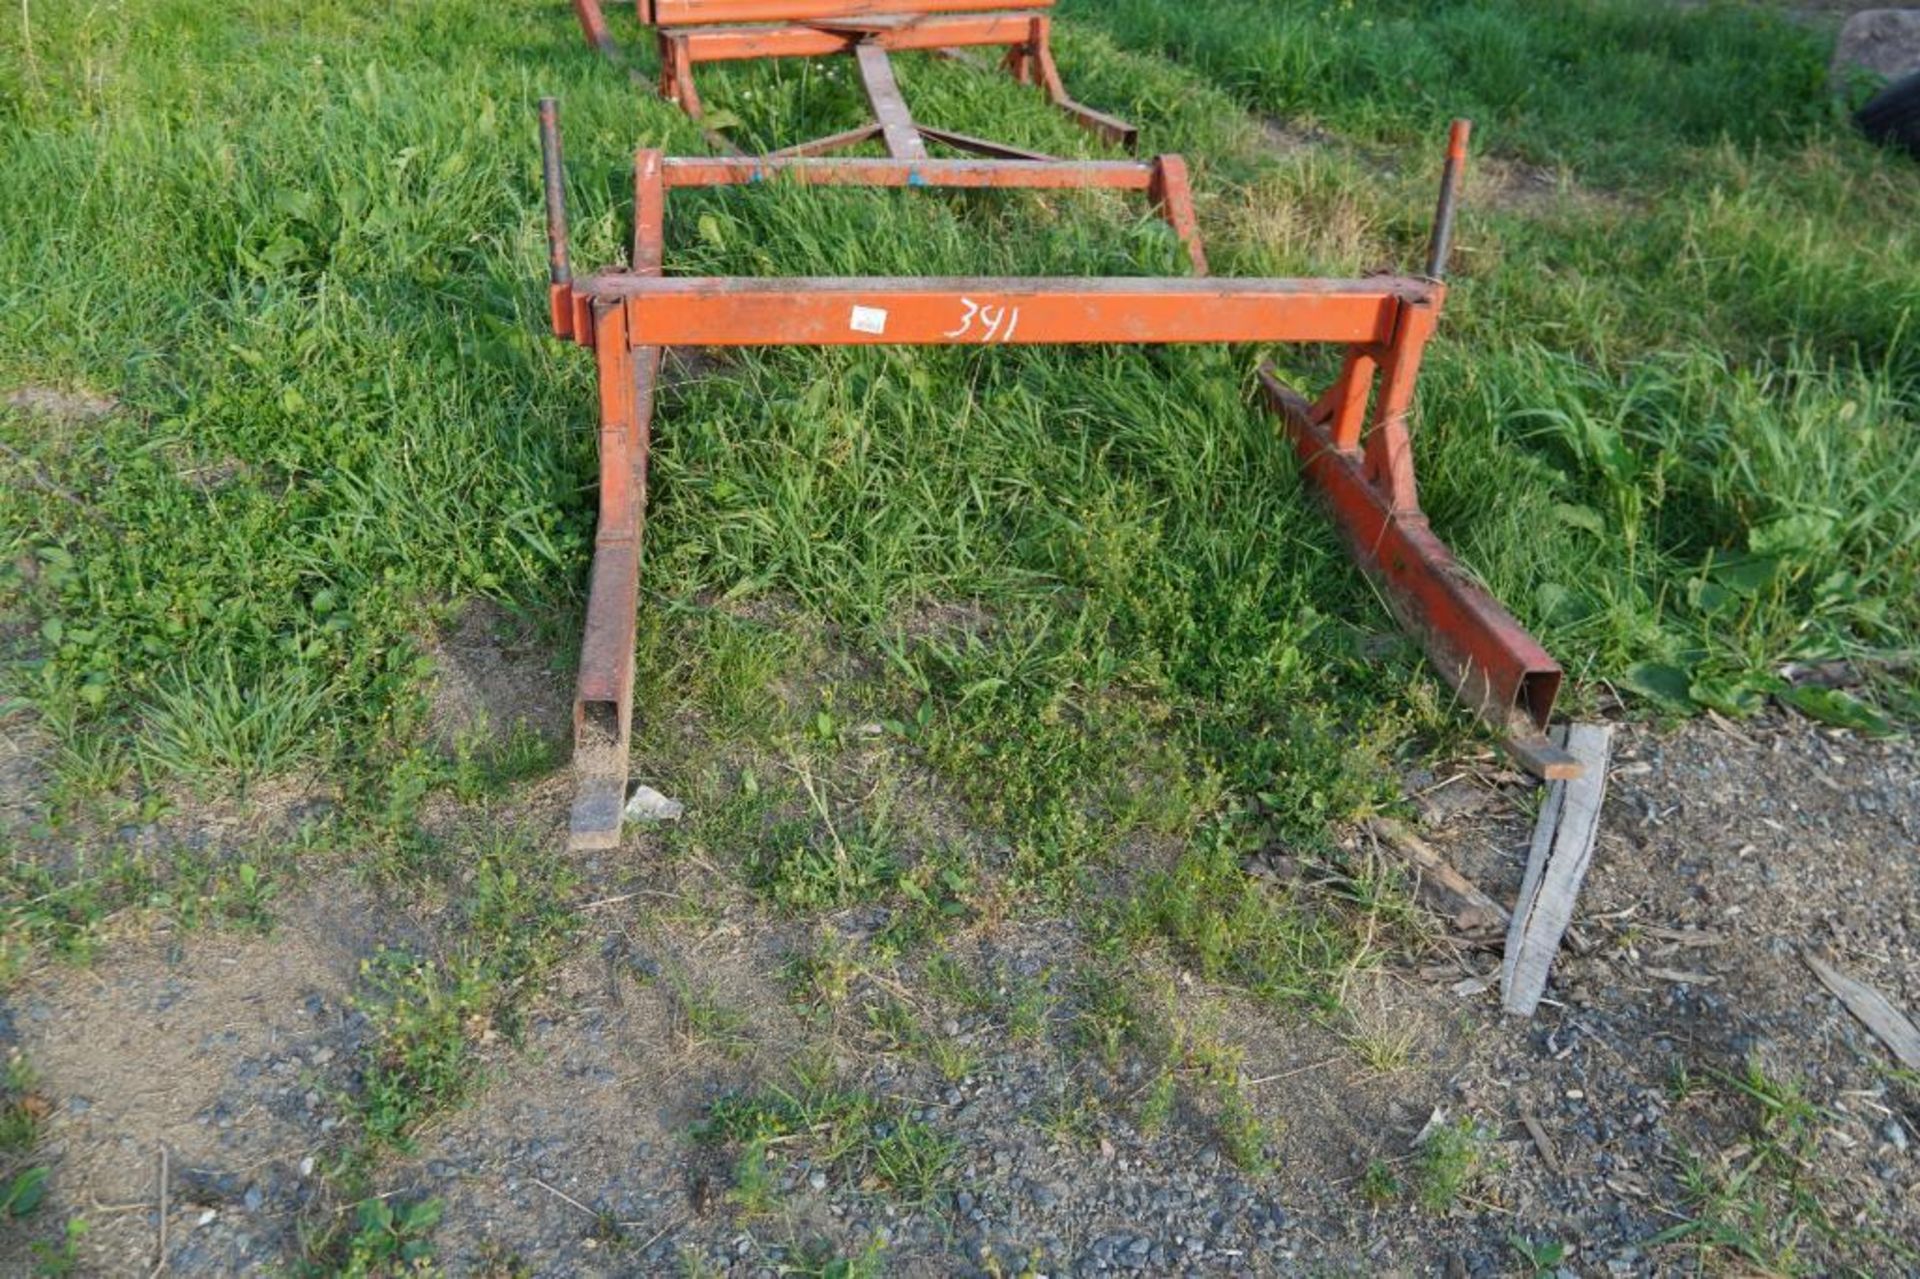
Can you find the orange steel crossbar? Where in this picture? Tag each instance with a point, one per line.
(739, 44)
(1002, 312)
(1112, 175)
(669, 13)
(1355, 443)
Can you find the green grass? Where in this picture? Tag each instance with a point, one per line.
(1448, 1162)
(66, 914)
(704, 1019)
(1702, 367)
(818, 1259)
(387, 1237)
(1621, 87)
(1537, 1257)
(24, 1180)
(22, 1108)
(486, 765)
(1278, 944)
(845, 1132)
(802, 869)
(1764, 1200)
(1379, 1186)
(1019, 1002)
(430, 1013)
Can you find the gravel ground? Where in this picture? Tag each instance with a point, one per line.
(1724, 853)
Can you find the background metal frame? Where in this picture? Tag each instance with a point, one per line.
(690, 32)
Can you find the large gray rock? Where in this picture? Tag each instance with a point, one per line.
(1883, 41)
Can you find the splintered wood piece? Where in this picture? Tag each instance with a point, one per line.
(1556, 866)
(1542, 1142)
(1446, 889)
(1539, 755)
(1874, 1010)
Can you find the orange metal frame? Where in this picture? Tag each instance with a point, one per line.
(1354, 442)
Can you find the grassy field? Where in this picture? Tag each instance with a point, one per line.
(1670, 420)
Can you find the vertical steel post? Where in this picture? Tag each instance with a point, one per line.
(603, 702)
(553, 172)
(1440, 247)
(554, 176)
(603, 697)
(1389, 441)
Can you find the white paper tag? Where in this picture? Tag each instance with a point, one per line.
(869, 319)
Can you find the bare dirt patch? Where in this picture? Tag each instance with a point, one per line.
(578, 1158)
(225, 1051)
(71, 407)
(493, 672)
(26, 768)
(1514, 186)
(1290, 139)
(229, 823)
(1495, 182)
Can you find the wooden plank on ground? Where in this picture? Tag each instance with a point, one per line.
(1875, 1011)
(1444, 888)
(1556, 866)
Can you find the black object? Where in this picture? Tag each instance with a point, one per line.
(1893, 115)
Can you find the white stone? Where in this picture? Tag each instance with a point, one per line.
(649, 805)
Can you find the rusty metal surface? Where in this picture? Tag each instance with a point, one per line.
(553, 182)
(832, 142)
(889, 108)
(735, 30)
(676, 75)
(1500, 672)
(649, 212)
(1440, 246)
(561, 297)
(1172, 198)
(603, 698)
(594, 23)
(1387, 453)
(983, 146)
(1040, 64)
(1108, 127)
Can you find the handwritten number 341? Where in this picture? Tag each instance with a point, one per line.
(992, 323)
